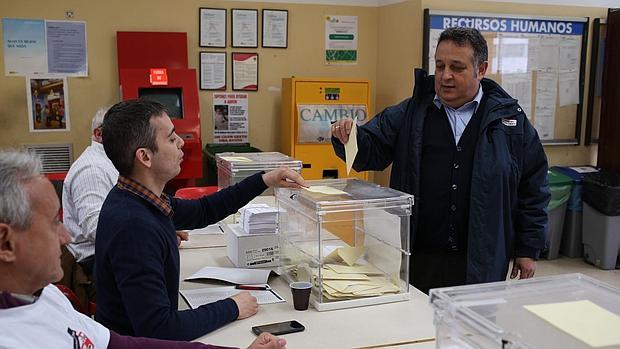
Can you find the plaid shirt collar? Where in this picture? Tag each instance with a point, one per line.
(161, 202)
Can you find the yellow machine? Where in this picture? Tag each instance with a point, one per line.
(309, 106)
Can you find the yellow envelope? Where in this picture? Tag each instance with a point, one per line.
(349, 286)
(324, 189)
(354, 269)
(350, 148)
(348, 226)
(584, 320)
(349, 255)
(327, 274)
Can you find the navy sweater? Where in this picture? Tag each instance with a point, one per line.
(137, 263)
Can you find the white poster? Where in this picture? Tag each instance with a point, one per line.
(39, 47)
(230, 117)
(244, 28)
(212, 27)
(66, 48)
(244, 71)
(24, 47)
(341, 39)
(213, 70)
(48, 110)
(275, 28)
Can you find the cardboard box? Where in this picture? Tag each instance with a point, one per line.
(251, 250)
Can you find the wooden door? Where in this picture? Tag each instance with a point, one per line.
(609, 133)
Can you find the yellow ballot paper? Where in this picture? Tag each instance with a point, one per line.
(236, 158)
(349, 255)
(328, 274)
(350, 149)
(584, 320)
(323, 189)
(355, 269)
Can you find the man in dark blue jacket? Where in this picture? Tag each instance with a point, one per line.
(465, 149)
(137, 259)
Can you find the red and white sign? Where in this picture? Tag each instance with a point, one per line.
(158, 76)
(245, 71)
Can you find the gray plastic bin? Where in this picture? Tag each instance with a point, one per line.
(571, 245)
(601, 238)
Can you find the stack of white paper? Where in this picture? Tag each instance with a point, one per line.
(244, 208)
(259, 220)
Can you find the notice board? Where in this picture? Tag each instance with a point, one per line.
(538, 60)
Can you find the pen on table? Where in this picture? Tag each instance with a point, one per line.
(275, 294)
(252, 288)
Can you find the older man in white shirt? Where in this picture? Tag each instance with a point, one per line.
(85, 188)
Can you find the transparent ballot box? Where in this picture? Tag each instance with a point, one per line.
(348, 237)
(561, 311)
(234, 167)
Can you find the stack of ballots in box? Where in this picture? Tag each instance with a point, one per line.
(345, 276)
(258, 219)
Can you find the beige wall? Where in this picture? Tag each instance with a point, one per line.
(390, 47)
(304, 57)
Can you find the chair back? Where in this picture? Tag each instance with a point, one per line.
(89, 310)
(195, 192)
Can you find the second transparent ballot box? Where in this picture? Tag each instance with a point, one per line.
(233, 167)
(349, 238)
(569, 311)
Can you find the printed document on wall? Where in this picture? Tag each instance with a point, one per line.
(548, 53)
(519, 86)
(533, 46)
(546, 92)
(513, 54)
(570, 52)
(569, 87)
(341, 39)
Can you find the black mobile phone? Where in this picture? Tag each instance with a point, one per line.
(279, 328)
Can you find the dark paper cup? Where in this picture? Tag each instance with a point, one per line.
(301, 294)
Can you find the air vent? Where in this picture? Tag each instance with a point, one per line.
(55, 158)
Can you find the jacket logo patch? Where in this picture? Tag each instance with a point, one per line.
(509, 122)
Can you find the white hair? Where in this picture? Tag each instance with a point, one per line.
(98, 118)
(16, 168)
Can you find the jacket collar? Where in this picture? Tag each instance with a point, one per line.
(498, 104)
